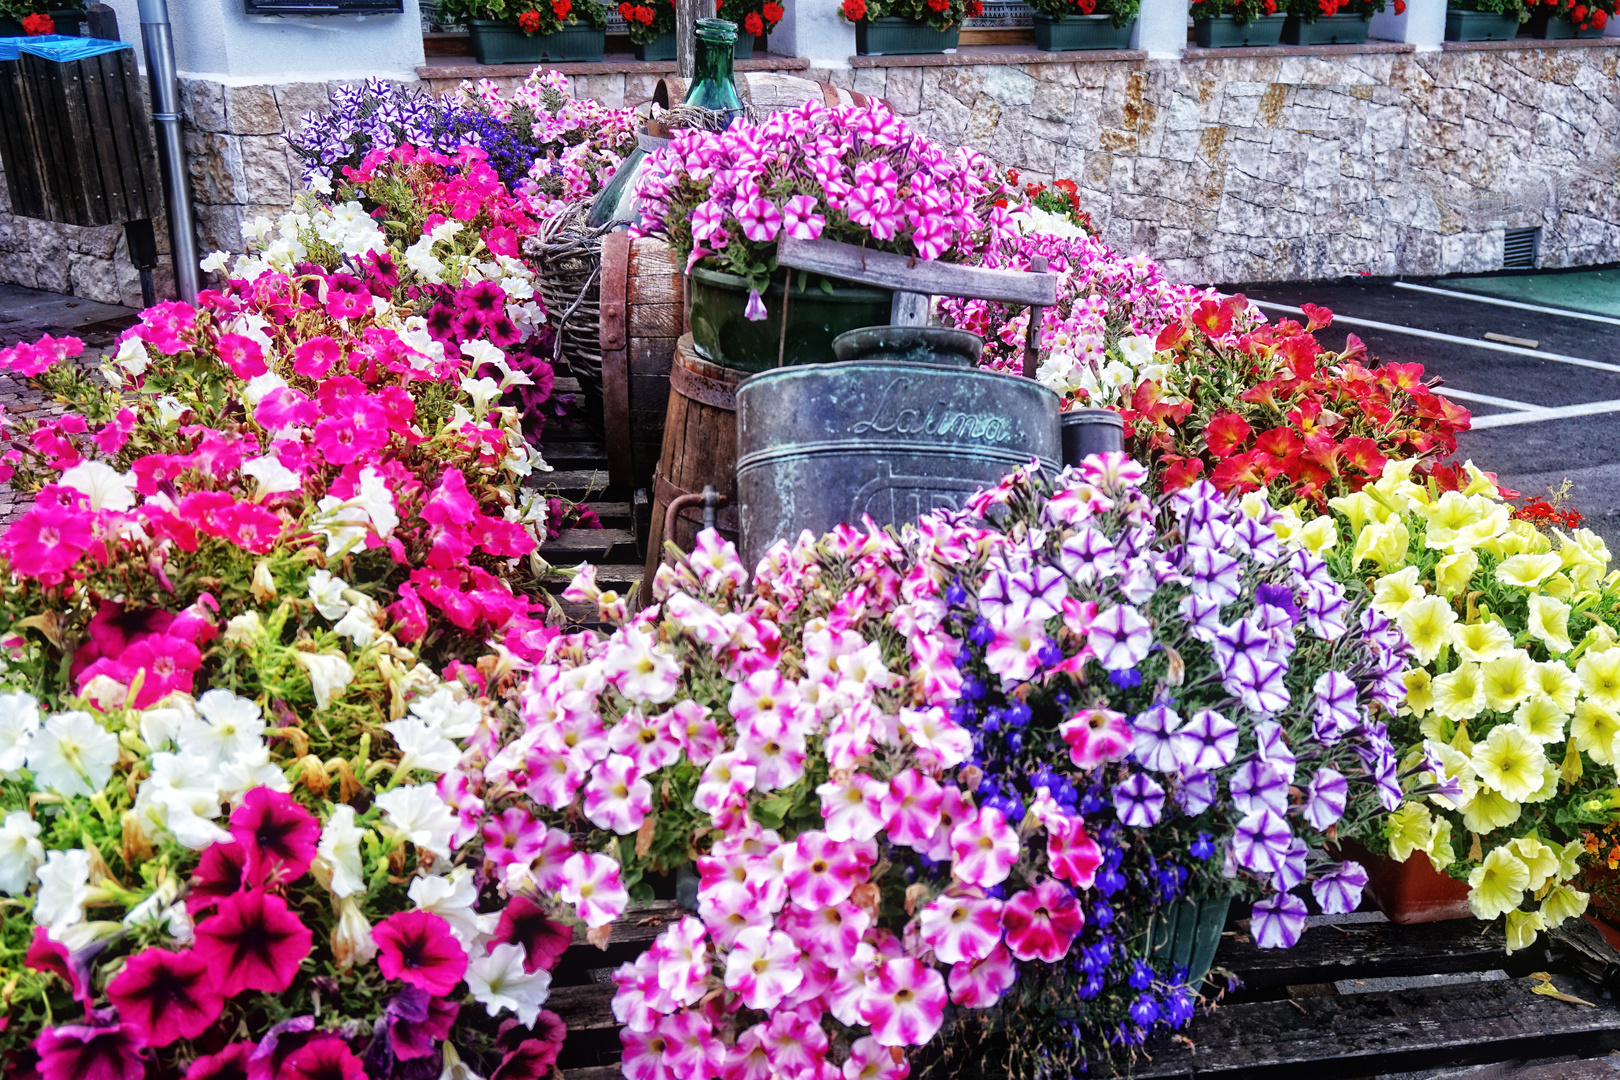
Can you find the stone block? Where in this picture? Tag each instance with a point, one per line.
(296, 100)
(251, 110)
(607, 89)
(215, 163)
(1008, 86)
(266, 177)
(94, 279)
(904, 91)
(639, 87)
(219, 227)
(1053, 101)
(982, 123)
(873, 82)
(202, 103)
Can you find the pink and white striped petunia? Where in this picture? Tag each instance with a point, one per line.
(961, 927)
(591, 883)
(1096, 736)
(853, 809)
(911, 809)
(1041, 922)
(984, 848)
(821, 871)
(800, 220)
(763, 967)
(616, 797)
(979, 984)
(904, 1003)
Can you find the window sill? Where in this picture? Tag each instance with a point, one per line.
(1532, 43)
(465, 67)
(973, 55)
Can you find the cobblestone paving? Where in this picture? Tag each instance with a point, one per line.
(25, 315)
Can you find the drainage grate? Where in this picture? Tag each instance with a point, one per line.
(1520, 248)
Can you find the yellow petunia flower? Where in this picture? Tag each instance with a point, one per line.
(1558, 586)
(1436, 727)
(1554, 679)
(1359, 509)
(1510, 762)
(1419, 695)
(1522, 928)
(1527, 571)
(1569, 859)
(1440, 853)
(1497, 886)
(1319, 534)
(1392, 592)
(1549, 623)
(1583, 548)
(1386, 544)
(1593, 730)
(1255, 504)
(1489, 810)
(1562, 903)
(1508, 680)
(1481, 641)
(1540, 859)
(1409, 829)
(1540, 718)
(1453, 573)
(1427, 625)
(1549, 784)
(1600, 677)
(1478, 482)
(1459, 694)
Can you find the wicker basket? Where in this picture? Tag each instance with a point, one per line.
(567, 257)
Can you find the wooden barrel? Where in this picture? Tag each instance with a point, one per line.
(700, 447)
(642, 315)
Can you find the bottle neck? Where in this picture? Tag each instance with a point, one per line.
(713, 60)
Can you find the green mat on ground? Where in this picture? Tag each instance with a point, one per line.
(1594, 291)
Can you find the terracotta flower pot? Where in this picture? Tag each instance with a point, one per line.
(1412, 891)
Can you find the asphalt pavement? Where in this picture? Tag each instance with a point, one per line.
(1546, 403)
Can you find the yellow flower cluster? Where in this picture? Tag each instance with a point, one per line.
(1506, 702)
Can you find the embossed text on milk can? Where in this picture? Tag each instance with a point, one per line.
(831, 443)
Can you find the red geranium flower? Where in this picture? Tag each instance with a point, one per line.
(278, 835)
(166, 995)
(418, 948)
(773, 13)
(754, 24)
(253, 942)
(854, 10)
(37, 24)
(529, 21)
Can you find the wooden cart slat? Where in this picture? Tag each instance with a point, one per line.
(1366, 950)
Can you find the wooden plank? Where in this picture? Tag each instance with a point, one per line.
(18, 146)
(103, 140)
(615, 373)
(571, 481)
(654, 320)
(655, 278)
(1357, 1035)
(651, 355)
(1366, 950)
(140, 129)
(576, 543)
(587, 1007)
(138, 201)
(37, 116)
(83, 171)
(880, 268)
(594, 1072)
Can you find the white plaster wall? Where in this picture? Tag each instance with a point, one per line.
(813, 29)
(1161, 28)
(214, 39)
(1423, 24)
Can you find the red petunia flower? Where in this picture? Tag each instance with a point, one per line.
(326, 1057)
(278, 835)
(166, 995)
(219, 874)
(418, 948)
(254, 941)
(230, 1063)
(525, 923)
(85, 1052)
(1226, 433)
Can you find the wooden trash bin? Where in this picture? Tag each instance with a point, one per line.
(76, 139)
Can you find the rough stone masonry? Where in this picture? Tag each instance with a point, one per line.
(1226, 166)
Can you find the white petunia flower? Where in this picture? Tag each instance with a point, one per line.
(180, 796)
(361, 624)
(422, 746)
(132, 356)
(329, 673)
(247, 771)
(452, 899)
(327, 593)
(499, 982)
(19, 723)
(273, 477)
(106, 487)
(340, 847)
(455, 718)
(64, 886)
(226, 727)
(20, 852)
(421, 816)
(72, 755)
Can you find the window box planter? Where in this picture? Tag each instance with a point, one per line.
(1557, 28)
(69, 23)
(495, 42)
(1326, 30)
(1481, 26)
(1080, 32)
(661, 47)
(1228, 32)
(894, 36)
(1412, 891)
(724, 335)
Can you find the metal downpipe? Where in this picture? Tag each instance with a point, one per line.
(158, 39)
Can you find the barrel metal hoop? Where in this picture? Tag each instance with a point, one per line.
(760, 458)
(665, 493)
(702, 388)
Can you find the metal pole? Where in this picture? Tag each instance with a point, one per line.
(158, 38)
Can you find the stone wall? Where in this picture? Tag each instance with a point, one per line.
(1248, 164)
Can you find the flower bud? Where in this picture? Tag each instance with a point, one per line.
(351, 937)
(263, 586)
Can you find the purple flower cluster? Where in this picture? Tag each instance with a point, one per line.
(373, 114)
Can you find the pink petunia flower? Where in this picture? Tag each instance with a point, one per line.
(165, 995)
(961, 927)
(979, 984)
(253, 941)
(1041, 922)
(984, 848)
(278, 835)
(524, 922)
(242, 355)
(591, 883)
(763, 967)
(1073, 855)
(905, 1003)
(419, 948)
(86, 1052)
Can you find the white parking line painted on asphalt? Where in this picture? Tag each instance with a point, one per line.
(1561, 412)
(1566, 312)
(1486, 399)
(1435, 335)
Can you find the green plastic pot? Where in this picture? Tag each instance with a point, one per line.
(1074, 32)
(1558, 28)
(1186, 934)
(661, 47)
(495, 42)
(723, 334)
(1326, 30)
(893, 36)
(744, 49)
(1481, 26)
(1227, 32)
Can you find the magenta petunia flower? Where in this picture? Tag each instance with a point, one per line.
(230, 1063)
(253, 942)
(1042, 922)
(84, 1052)
(524, 922)
(325, 1057)
(278, 836)
(55, 957)
(166, 995)
(418, 948)
(219, 874)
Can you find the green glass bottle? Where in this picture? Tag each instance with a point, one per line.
(714, 86)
